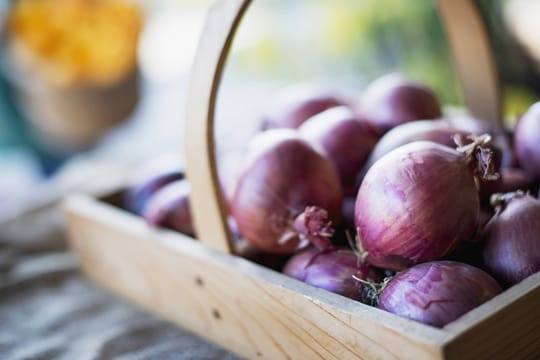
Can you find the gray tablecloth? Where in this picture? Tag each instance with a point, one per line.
(48, 310)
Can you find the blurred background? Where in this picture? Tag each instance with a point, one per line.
(90, 89)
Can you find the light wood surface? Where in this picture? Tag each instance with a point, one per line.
(251, 310)
(207, 205)
(260, 313)
(474, 62)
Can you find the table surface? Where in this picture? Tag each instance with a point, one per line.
(49, 310)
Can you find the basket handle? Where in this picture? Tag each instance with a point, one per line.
(470, 46)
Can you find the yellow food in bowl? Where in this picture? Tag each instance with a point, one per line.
(91, 42)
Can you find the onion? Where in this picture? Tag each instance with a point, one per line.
(344, 139)
(296, 104)
(332, 270)
(150, 178)
(438, 292)
(419, 201)
(169, 208)
(512, 246)
(392, 100)
(527, 141)
(287, 193)
(438, 131)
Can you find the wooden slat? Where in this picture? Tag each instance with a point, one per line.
(207, 205)
(473, 57)
(507, 327)
(251, 310)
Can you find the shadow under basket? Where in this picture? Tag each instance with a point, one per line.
(257, 312)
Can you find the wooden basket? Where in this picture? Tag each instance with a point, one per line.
(257, 312)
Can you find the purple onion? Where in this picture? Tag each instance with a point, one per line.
(296, 104)
(286, 193)
(512, 246)
(149, 179)
(392, 100)
(437, 293)
(169, 207)
(527, 141)
(438, 131)
(332, 270)
(344, 138)
(418, 202)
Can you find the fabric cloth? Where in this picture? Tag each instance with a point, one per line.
(49, 310)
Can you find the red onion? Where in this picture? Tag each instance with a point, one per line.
(437, 292)
(512, 246)
(438, 131)
(150, 178)
(393, 100)
(169, 208)
(332, 270)
(419, 201)
(296, 104)
(344, 138)
(527, 141)
(286, 194)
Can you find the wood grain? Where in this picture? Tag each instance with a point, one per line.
(207, 205)
(251, 310)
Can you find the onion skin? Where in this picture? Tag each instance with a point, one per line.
(392, 100)
(169, 208)
(438, 131)
(331, 270)
(527, 141)
(512, 246)
(283, 175)
(415, 205)
(296, 104)
(149, 179)
(345, 139)
(437, 293)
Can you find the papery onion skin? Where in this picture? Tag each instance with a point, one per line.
(284, 175)
(392, 100)
(512, 242)
(332, 270)
(169, 207)
(344, 138)
(437, 293)
(415, 205)
(295, 104)
(527, 141)
(150, 178)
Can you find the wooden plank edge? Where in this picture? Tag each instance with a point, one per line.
(84, 207)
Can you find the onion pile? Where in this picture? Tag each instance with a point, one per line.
(407, 191)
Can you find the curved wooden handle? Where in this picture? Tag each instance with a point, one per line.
(469, 42)
(473, 57)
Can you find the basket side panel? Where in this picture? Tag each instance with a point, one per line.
(508, 327)
(232, 302)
